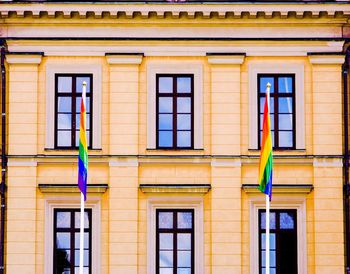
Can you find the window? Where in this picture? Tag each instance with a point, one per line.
(283, 241)
(92, 69)
(173, 68)
(68, 92)
(175, 241)
(190, 209)
(282, 108)
(174, 111)
(67, 240)
(277, 69)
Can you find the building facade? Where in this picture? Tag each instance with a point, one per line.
(174, 106)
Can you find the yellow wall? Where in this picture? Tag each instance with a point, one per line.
(125, 161)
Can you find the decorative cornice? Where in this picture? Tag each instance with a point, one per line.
(280, 189)
(226, 163)
(19, 58)
(326, 59)
(226, 59)
(124, 59)
(191, 11)
(175, 188)
(124, 163)
(328, 163)
(71, 188)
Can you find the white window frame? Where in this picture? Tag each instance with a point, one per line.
(51, 71)
(278, 203)
(176, 203)
(276, 68)
(175, 68)
(52, 203)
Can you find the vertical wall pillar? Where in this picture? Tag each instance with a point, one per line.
(226, 227)
(123, 172)
(124, 97)
(22, 174)
(328, 180)
(226, 104)
(23, 103)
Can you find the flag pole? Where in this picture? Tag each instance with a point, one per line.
(81, 251)
(82, 175)
(267, 235)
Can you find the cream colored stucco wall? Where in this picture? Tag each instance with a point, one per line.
(124, 162)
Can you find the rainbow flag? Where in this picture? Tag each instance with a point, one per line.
(265, 166)
(83, 153)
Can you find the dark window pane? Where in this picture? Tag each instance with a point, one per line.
(184, 85)
(165, 105)
(184, 138)
(79, 84)
(77, 220)
(285, 84)
(286, 221)
(285, 121)
(62, 261)
(285, 138)
(263, 84)
(165, 121)
(64, 121)
(165, 258)
(165, 138)
(165, 84)
(184, 121)
(184, 241)
(64, 84)
(77, 240)
(63, 240)
(64, 104)
(165, 220)
(184, 258)
(64, 138)
(183, 105)
(272, 220)
(184, 220)
(63, 219)
(285, 105)
(166, 241)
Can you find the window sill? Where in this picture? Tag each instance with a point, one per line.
(71, 149)
(174, 149)
(278, 150)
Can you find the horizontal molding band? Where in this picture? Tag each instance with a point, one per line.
(71, 188)
(213, 161)
(190, 10)
(175, 188)
(327, 39)
(280, 189)
(182, 156)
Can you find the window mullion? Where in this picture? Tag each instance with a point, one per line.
(175, 242)
(275, 103)
(72, 242)
(175, 95)
(74, 96)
